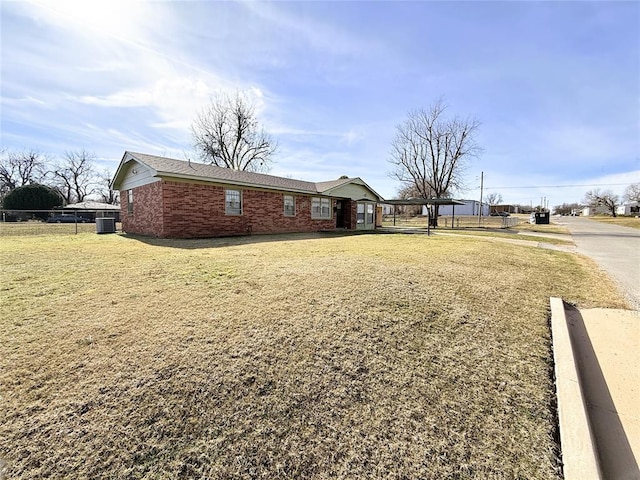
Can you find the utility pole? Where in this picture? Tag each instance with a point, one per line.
(481, 186)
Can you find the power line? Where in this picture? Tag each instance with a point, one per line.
(562, 186)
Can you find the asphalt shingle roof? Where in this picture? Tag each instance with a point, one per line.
(170, 166)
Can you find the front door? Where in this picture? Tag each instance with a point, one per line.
(340, 208)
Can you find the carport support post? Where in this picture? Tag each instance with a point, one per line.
(453, 214)
(428, 221)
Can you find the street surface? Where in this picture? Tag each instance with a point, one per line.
(616, 249)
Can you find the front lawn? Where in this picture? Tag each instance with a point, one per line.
(297, 356)
(633, 222)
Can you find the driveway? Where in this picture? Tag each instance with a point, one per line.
(616, 249)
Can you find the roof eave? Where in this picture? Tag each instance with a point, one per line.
(225, 181)
(119, 175)
(378, 198)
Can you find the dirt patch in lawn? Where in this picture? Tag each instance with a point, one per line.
(309, 356)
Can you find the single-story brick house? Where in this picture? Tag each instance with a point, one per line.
(164, 197)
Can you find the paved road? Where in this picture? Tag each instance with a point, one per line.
(616, 249)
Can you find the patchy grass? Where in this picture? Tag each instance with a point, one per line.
(525, 226)
(299, 356)
(506, 234)
(42, 228)
(633, 222)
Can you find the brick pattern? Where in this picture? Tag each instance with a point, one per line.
(146, 218)
(191, 210)
(351, 214)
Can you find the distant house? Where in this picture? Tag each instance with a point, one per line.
(164, 197)
(91, 209)
(599, 210)
(506, 208)
(470, 207)
(631, 208)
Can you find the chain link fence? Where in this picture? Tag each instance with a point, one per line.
(57, 221)
(459, 221)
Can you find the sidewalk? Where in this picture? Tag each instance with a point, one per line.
(605, 347)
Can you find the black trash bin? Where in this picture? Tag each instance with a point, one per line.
(542, 218)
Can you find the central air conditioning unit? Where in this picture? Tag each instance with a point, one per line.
(106, 225)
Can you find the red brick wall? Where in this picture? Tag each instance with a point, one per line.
(146, 218)
(350, 214)
(197, 210)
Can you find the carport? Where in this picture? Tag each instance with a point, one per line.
(431, 221)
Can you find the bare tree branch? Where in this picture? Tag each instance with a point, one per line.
(19, 168)
(227, 134)
(494, 198)
(632, 193)
(430, 152)
(75, 177)
(107, 193)
(606, 198)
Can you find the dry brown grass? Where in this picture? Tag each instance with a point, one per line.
(507, 234)
(633, 222)
(42, 228)
(300, 356)
(553, 227)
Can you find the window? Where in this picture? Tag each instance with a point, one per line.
(233, 202)
(370, 213)
(320, 207)
(361, 213)
(289, 206)
(130, 201)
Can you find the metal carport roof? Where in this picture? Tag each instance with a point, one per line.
(423, 201)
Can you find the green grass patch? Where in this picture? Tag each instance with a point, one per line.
(293, 356)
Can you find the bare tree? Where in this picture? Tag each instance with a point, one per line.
(606, 198)
(74, 176)
(632, 193)
(227, 134)
(494, 199)
(107, 193)
(19, 168)
(430, 151)
(567, 208)
(407, 192)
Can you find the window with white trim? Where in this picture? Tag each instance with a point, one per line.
(320, 207)
(233, 202)
(289, 206)
(370, 213)
(130, 200)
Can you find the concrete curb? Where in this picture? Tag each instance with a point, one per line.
(579, 455)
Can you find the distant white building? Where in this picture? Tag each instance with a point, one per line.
(599, 210)
(631, 208)
(470, 207)
(387, 209)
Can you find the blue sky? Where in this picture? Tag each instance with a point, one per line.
(555, 85)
